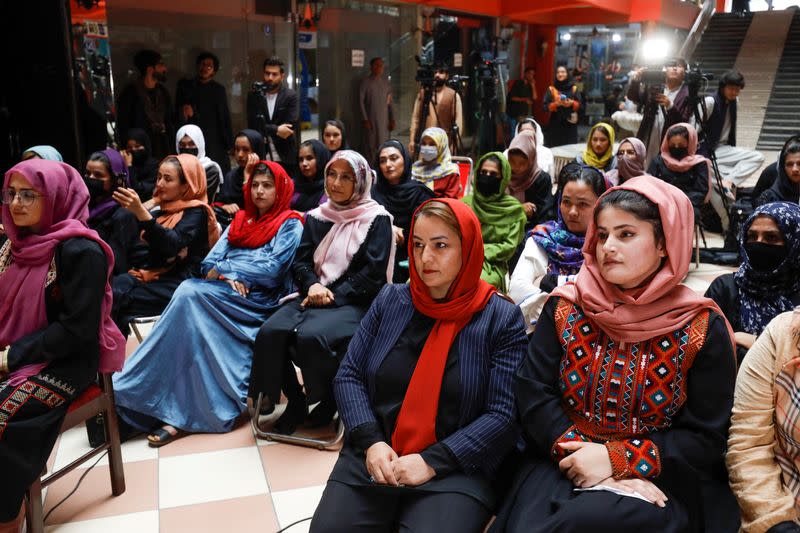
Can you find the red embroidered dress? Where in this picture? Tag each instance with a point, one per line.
(618, 393)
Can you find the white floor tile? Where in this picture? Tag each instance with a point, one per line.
(75, 443)
(293, 505)
(211, 476)
(144, 522)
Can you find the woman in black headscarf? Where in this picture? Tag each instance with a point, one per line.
(334, 136)
(562, 100)
(142, 166)
(787, 187)
(231, 198)
(400, 195)
(309, 184)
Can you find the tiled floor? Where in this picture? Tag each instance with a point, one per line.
(209, 483)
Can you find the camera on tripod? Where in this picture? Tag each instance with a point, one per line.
(426, 72)
(696, 79)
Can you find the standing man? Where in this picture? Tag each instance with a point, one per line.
(444, 111)
(377, 114)
(521, 98)
(145, 104)
(275, 113)
(204, 102)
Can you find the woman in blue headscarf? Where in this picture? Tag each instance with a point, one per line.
(768, 281)
(42, 151)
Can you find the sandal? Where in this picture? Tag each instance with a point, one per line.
(162, 437)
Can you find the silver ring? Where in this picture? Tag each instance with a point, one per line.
(372, 479)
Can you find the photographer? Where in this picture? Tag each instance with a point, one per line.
(273, 110)
(203, 102)
(665, 105)
(444, 109)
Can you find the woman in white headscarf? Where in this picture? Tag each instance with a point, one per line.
(190, 140)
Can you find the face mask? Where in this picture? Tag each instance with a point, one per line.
(765, 257)
(138, 157)
(190, 151)
(678, 153)
(627, 168)
(96, 187)
(428, 153)
(487, 184)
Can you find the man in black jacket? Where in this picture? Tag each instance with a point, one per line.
(275, 113)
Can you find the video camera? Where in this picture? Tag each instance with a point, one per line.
(259, 87)
(695, 79)
(426, 72)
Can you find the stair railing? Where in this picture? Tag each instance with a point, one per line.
(700, 25)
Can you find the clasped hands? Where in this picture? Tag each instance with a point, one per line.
(318, 296)
(589, 465)
(386, 468)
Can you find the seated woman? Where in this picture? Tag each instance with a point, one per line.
(435, 168)
(245, 276)
(142, 166)
(42, 151)
(768, 280)
(426, 391)
(345, 256)
(786, 187)
(553, 251)
(630, 162)
(334, 136)
(400, 195)
(55, 330)
(175, 237)
(599, 151)
(231, 194)
(106, 171)
(680, 165)
(501, 216)
(309, 186)
(627, 384)
(763, 442)
(529, 184)
(190, 140)
(544, 156)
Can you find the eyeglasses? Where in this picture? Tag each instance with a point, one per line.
(26, 196)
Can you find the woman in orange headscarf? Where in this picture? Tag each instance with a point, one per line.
(627, 387)
(425, 390)
(175, 237)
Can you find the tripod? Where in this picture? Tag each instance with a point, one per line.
(424, 112)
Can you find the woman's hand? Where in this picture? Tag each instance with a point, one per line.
(399, 238)
(379, 463)
(126, 155)
(318, 296)
(744, 339)
(239, 287)
(646, 488)
(128, 199)
(530, 209)
(587, 465)
(412, 470)
(250, 166)
(231, 209)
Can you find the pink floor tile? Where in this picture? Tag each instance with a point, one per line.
(240, 437)
(252, 513)
(93, 498)
(291, 467)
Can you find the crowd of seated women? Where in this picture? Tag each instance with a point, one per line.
(508, 353)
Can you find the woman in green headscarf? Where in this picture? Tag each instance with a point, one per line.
(599, 151)
(501, 215)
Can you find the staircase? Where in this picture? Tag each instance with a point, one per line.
(782, 117)
(720, 44)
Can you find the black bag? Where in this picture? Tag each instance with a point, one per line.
(96, 431)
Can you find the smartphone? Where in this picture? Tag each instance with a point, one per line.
(119, 181)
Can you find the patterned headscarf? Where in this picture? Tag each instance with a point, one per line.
(443, 166)
(764, 295)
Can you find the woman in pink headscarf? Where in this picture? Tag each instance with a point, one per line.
(628, 384)
(55, 329)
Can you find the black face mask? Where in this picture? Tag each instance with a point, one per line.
(487, 184)
(138, 157)
(765, 257)
(678, 153)
(96, 188)
(190, 151)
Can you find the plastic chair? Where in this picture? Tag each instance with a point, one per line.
(464, 172)
(95, 400)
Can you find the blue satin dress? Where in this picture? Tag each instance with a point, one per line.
(193, 370)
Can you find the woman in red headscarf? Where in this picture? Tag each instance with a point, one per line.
(55, 329)
(202, 346)
(425, 390)
(625, 395)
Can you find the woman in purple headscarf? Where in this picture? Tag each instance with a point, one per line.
(55, 329)
(105, 172)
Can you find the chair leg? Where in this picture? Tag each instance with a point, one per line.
(34, 511)
(114, 450)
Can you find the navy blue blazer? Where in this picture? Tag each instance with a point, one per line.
(490, 347)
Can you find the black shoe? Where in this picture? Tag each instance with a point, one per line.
(294, 415)
(322, 414)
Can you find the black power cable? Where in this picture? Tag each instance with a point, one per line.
(74, 490)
